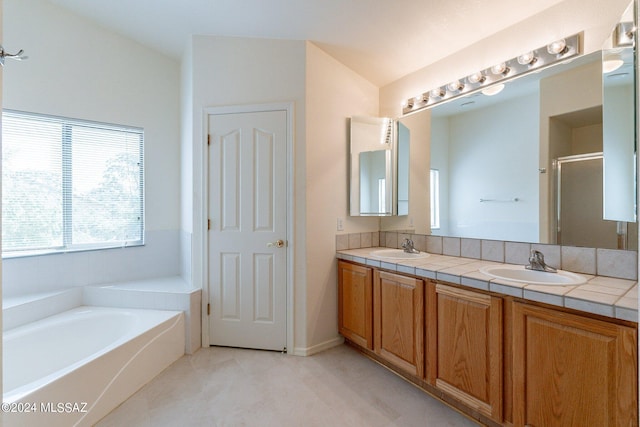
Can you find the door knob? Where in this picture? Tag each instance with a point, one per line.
(278, 244)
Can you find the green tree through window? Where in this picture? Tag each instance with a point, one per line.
(70, 184)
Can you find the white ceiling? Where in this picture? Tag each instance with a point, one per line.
(382, 40)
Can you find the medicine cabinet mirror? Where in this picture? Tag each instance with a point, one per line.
(379, 167)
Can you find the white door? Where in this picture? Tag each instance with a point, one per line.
(247, 236)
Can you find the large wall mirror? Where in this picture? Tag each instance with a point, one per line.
(549, 159)
(379, 167)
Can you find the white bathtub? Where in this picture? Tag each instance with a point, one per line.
(73, 368)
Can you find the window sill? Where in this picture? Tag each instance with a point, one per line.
(43, 252)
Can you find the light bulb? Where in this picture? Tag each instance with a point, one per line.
(557, 47)
(476, 78)
(526, 58)
(455, 86)
(437, 93)
(500, 69)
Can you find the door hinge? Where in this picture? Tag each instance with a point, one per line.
(208, 224)
(208, 309)
(208, 139)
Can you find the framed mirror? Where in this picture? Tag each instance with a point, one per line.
(379, 167)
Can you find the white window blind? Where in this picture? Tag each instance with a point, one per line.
(70, 184)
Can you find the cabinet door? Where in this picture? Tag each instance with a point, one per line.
(465, 347)
(398, 305)
(571, 370)
(355, 304)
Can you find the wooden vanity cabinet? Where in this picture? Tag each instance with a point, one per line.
(508, 361)
(398, 321)
(464, 341)
(572, 370)
(355, 303)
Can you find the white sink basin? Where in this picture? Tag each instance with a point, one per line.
(518, 273)
(396, 254)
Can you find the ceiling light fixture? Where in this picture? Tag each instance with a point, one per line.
(494, 77)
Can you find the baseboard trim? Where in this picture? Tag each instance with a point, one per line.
(309, 351)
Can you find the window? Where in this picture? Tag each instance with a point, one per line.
(435, 198)
(69, 184)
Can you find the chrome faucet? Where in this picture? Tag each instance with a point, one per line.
(407, 245)
(536, 262)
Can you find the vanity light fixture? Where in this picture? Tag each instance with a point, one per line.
(558, 51)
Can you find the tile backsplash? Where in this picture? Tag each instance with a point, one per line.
(602, 262)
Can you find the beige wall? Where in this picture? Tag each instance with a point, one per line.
(333, 94)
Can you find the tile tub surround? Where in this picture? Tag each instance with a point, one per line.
(606, 296)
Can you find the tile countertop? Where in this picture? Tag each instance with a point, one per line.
(606, 296)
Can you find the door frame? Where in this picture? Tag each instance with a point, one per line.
(288, 107)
